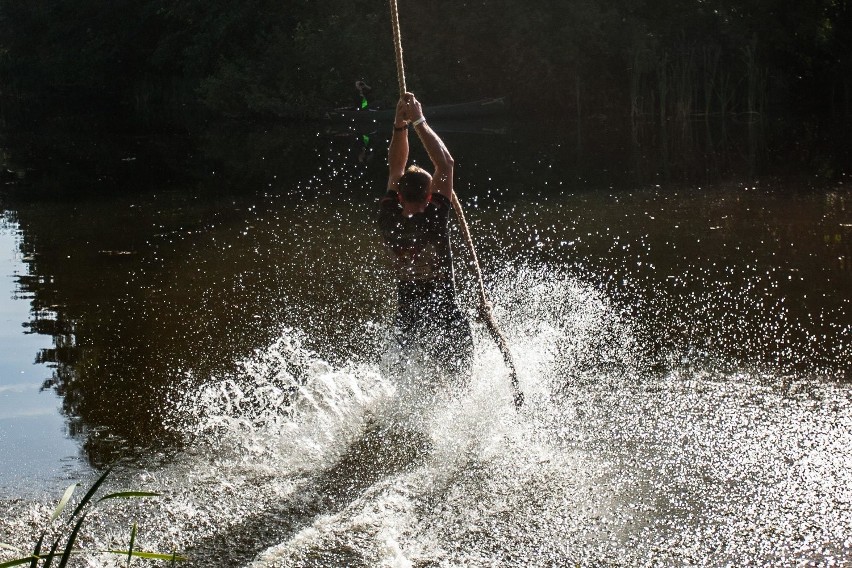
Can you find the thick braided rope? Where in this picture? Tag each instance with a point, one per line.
(487, 316)
(397, 42)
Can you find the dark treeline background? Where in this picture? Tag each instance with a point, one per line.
(636, 58)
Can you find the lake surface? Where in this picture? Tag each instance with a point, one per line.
(683, 342)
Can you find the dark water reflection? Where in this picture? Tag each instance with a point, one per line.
(179, 279)
(750, 275)
(139, 292)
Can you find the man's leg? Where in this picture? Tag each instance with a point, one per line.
(453, 344)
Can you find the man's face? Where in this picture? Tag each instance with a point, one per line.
(428, 180)
(424, 202)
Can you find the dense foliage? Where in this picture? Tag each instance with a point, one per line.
(257, 57)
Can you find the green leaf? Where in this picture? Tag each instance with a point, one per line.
(9, 547)
(37, 551)
(17, 562)
(150, 555)
(91, 492)
(132, 542)
(69, 546)
(49, 558)
(64, 501)
(32, 559)
(128, 495)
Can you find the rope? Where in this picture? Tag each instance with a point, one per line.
(484, 307)
(397, 43)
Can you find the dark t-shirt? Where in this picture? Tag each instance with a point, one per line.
(427, 312)
(420, 250)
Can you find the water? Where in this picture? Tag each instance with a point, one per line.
(684, 351)
(29, 422)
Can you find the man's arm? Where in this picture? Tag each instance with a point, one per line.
(442, 179)
(398, 149)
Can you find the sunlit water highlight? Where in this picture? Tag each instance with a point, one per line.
(631, 450)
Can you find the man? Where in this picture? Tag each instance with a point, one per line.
(414, 220)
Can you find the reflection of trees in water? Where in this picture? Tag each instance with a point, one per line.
(146, 296)
(121, 285)
(136, 291)
(126, 326)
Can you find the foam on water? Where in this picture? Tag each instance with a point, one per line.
(285, 406)
(616, 459)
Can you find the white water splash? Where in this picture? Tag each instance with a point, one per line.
(294, 461)
(286, 407)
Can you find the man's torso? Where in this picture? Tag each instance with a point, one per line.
(420, 244)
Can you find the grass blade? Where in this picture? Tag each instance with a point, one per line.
(132, 542)
(37, 551)
(151, 555)
(91, 492)
(64, 501)
(17, 562)
(128, 495)
(10, 547)
(69, 546)
(52, 554)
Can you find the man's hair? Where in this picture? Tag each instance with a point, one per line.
(414, 184)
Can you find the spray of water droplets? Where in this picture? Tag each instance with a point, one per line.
(618, 458)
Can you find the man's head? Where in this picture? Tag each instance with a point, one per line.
(414, 185)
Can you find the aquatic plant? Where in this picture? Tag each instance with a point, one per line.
(74, 523)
